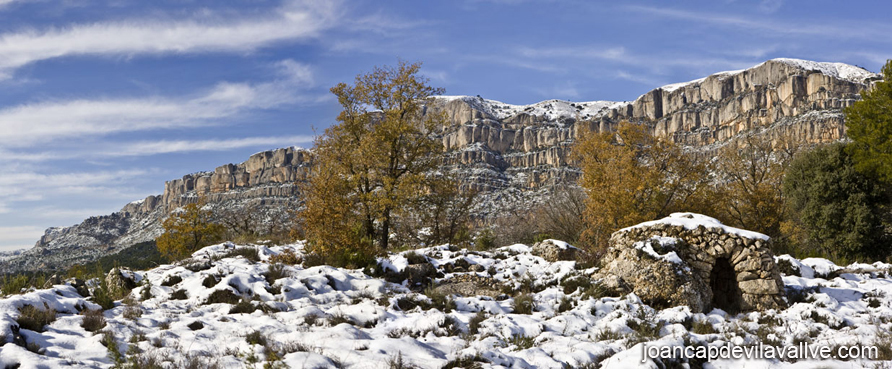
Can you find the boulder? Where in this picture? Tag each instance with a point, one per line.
(120, 281)
(694, 260)
(554, 250)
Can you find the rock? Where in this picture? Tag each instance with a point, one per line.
(120, 281)
(17, 337)
(79, 285)
(554, 250)
(666, 271)
(614, 285)
(469, 285)
(52, 281)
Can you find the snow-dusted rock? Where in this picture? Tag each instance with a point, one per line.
(694, 260)
(554, 250)
(120, 281)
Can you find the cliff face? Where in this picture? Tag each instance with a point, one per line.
(528, 146)
(266, 180)
(512, 153)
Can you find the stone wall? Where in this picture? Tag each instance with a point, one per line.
(693, 260)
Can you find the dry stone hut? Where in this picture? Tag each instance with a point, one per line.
(694, 260)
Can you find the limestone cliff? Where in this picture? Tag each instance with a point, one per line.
(528, 146)
(266, 180)
(511, 153)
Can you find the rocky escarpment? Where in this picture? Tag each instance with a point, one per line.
(501, 147)
(264, 184)
(512, 154)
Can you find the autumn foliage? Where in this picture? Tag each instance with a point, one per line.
(188, 229)
(371, 166)
(630, 176)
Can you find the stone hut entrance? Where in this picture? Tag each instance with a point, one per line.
(694, 260)
(723, 284)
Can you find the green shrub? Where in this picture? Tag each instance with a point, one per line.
(521, 342)
(243, 307)
(172, 280)
(210, 281)
(223, 297)
(35, 319)
(247, 252)
(839, 210)
(566, 304)
(573, 283)
(256, 338)
(415, 258)
(102, 296)
(179, 295)
(449, 327)
(524, 304)
(476, 320)
(13, 285)
(485, 240)
(276, 272)
(94, 320)
(702, 327)
(439, 300)
(467, 362)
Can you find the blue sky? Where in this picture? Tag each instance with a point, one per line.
(101, 101)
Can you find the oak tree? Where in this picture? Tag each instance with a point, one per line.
(370, 164)
(629, 177)
(188, 229)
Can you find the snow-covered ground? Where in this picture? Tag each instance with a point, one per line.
(318, 317)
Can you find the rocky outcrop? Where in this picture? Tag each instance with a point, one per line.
(693, 260)
(266, 182)
(528, 146)
(276, 167)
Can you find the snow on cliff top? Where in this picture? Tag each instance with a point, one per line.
(551, 109)
(841, 71)
(693, 220)
(555, 109)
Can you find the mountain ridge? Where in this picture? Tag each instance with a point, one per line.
(511, 153)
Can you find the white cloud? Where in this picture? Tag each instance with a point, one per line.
(15, 183)
(296, 72)
(26, 125)
(34, 186)
(862, 30)
(166, 147)
(294, 21)
(18, 237)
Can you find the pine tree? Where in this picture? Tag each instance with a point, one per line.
(869, 125)
(840, 210)
(370, 165)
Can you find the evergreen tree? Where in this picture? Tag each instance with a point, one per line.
(869, 125)
(840, 209)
